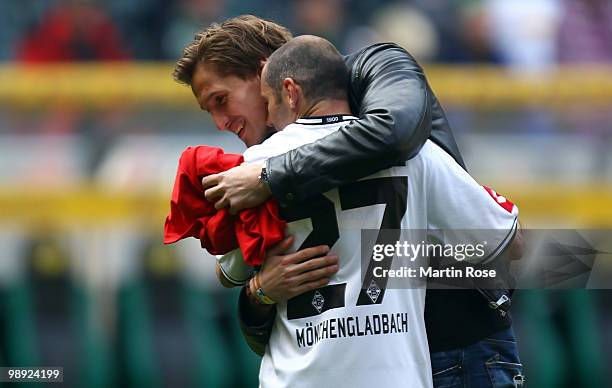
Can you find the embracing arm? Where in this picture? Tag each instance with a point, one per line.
(398, 113)
(391, 92)
(283, 276)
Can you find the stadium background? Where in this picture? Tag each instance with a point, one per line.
(91, 127)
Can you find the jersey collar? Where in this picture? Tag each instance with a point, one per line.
(329, 119)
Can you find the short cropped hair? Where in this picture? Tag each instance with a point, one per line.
(235, 47)
(314, 64)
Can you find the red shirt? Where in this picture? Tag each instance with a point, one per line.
(191, 215)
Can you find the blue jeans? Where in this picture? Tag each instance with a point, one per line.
(493, 362)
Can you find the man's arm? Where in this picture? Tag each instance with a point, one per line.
(395, 107)
(231, 269)
(282, 277)
(225, 282)
(516, 249)
(391, 91)
(255, 321)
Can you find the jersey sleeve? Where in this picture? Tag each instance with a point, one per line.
(235, 270)
(463, 211)
(261, 152)
(277, 144)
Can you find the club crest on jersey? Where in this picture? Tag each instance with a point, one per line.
(373, 291)
(318, 301)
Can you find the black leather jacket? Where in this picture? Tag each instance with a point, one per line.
(398, 112)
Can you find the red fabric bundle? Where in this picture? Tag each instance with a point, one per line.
(191, 215)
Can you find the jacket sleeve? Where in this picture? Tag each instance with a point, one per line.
(392, 94)
(255, 334)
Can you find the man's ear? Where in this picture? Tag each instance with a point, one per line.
(293, 92)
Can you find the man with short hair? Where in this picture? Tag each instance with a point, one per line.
(330, 336)
(398, 112)
(354, 332)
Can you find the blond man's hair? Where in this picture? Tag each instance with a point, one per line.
(234, 47)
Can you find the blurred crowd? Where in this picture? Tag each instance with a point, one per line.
(528, 34)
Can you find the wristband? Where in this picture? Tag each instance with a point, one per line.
(249, 292)
(258, 292)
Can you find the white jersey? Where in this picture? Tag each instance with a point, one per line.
(355, 332)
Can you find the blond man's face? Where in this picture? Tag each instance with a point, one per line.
(236, 105)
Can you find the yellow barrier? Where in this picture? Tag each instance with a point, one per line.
(92, 86)
(561, 205)
(100, 86)
(82, 206)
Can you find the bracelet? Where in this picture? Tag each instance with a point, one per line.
(249, 292)
(258, 293)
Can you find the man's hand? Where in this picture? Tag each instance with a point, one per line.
(239, 188)
(284, 276)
